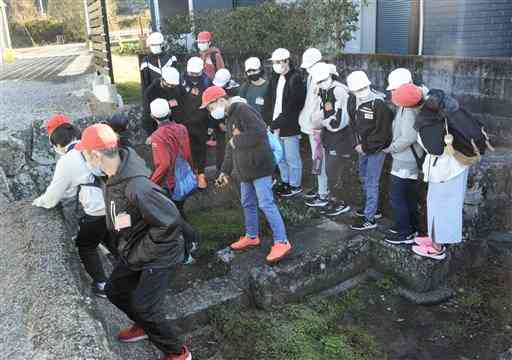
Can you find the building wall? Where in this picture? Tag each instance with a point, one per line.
(364, 37)
(468, 27)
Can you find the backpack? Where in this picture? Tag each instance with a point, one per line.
(185, 181)
(275, 145)
(466, 135)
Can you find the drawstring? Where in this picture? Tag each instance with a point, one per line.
(113, 214)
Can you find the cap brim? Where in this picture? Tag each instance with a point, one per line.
(219, 84)
(79, 146)
(391, 87)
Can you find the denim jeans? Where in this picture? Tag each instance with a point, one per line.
(290, 166)
(322, 178)
(404, 201)
(258, 193)
(370, 169)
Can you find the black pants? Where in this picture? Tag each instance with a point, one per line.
(190, 235)
(92, 232)
(198, 148)
(220, 137)
(336, 163)
(404, 201)
(140, 295)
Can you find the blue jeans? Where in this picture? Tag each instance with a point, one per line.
(404, 201)
(290, 166)
(323, 191)
(370, 169)
(258, 193)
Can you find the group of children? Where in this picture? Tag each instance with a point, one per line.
(110, 196)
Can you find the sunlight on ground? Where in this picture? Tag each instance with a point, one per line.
(127, 78)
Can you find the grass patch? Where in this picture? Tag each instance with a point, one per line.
(127, 78)
(130, 91)
(298, 331)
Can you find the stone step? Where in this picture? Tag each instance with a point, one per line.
(189, 308)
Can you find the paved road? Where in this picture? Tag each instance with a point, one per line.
(44, 81)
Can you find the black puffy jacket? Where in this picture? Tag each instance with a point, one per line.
(154, 239)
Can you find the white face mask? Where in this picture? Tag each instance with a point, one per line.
(155, 49)
(59, 151)
(363, 92)
(218, 113)
(203, 46)
(279, 68)
(95, 170)
(325, 85)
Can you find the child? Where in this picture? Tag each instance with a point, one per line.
(371, 122)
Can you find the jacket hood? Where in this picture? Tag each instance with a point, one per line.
(132, 165)
(234, 101)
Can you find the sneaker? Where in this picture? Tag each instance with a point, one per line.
(430, 252)
(365, 224)
(291, 191)
(317, 202)
(336, 209)
(132, 334)
(98, 289)
(245, 242)
(189, 260)
(360, 213)
(423, 241)
(278, 252)
(392, 230)
(281, 188)
(202, 183)
(194, 247)
(311, 194)
(185, 355)
(397, 239)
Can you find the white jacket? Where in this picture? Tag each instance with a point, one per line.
(70, 172)
(438, 169)
(311, 105)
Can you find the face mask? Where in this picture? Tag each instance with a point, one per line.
(95, 170)
(203, 46)
(325, 85)
(195, 79)
(278, 68)
(59, 151)
(254, 77)
(155, 49)
(219, 113)
(362, 93)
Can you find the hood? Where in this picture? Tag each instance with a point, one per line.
(234, 101)
(132, 165)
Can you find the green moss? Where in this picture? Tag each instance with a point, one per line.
(130, 91)
(298, 331)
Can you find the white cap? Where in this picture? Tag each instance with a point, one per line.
(320, 71)
(155, 38)
(357, 80)
(280, 54)
(170, 75)
(253, 63)
(159, 108)
(195, 65)
(310, 57)
(399, 77)
(222, 77)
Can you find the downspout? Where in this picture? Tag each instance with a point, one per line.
(157, 15)
(420, 32)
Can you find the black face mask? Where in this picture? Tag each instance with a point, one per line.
(254, 77)
(195, 79)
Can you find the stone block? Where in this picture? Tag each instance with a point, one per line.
(12, 154)
(414, 272)
(42, 152)
(324, 256)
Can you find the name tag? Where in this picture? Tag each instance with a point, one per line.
(368, 116)
(123, 221)
(260, 101)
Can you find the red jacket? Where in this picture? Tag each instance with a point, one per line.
(169, 140)
(211, 67)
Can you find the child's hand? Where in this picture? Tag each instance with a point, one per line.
(359, 149)
(386, 150)
(236, 132)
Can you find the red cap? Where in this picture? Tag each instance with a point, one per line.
(98, 137)
(204, 36)
(407, 95)
(212, 94)
(55, 121)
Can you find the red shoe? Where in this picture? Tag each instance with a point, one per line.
(245, 242)
(278, 252)
(185, 355)
(132, 334)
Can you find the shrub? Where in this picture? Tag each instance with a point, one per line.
(40, 31)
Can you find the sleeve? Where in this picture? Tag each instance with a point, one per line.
(187, 152)
(219, 61)
(147, 98)
(227, 164)
(408, 134)
(253, 131)
(161, 161)
(61, 181)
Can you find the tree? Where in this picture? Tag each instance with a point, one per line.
(22, 10)
(71, 14)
